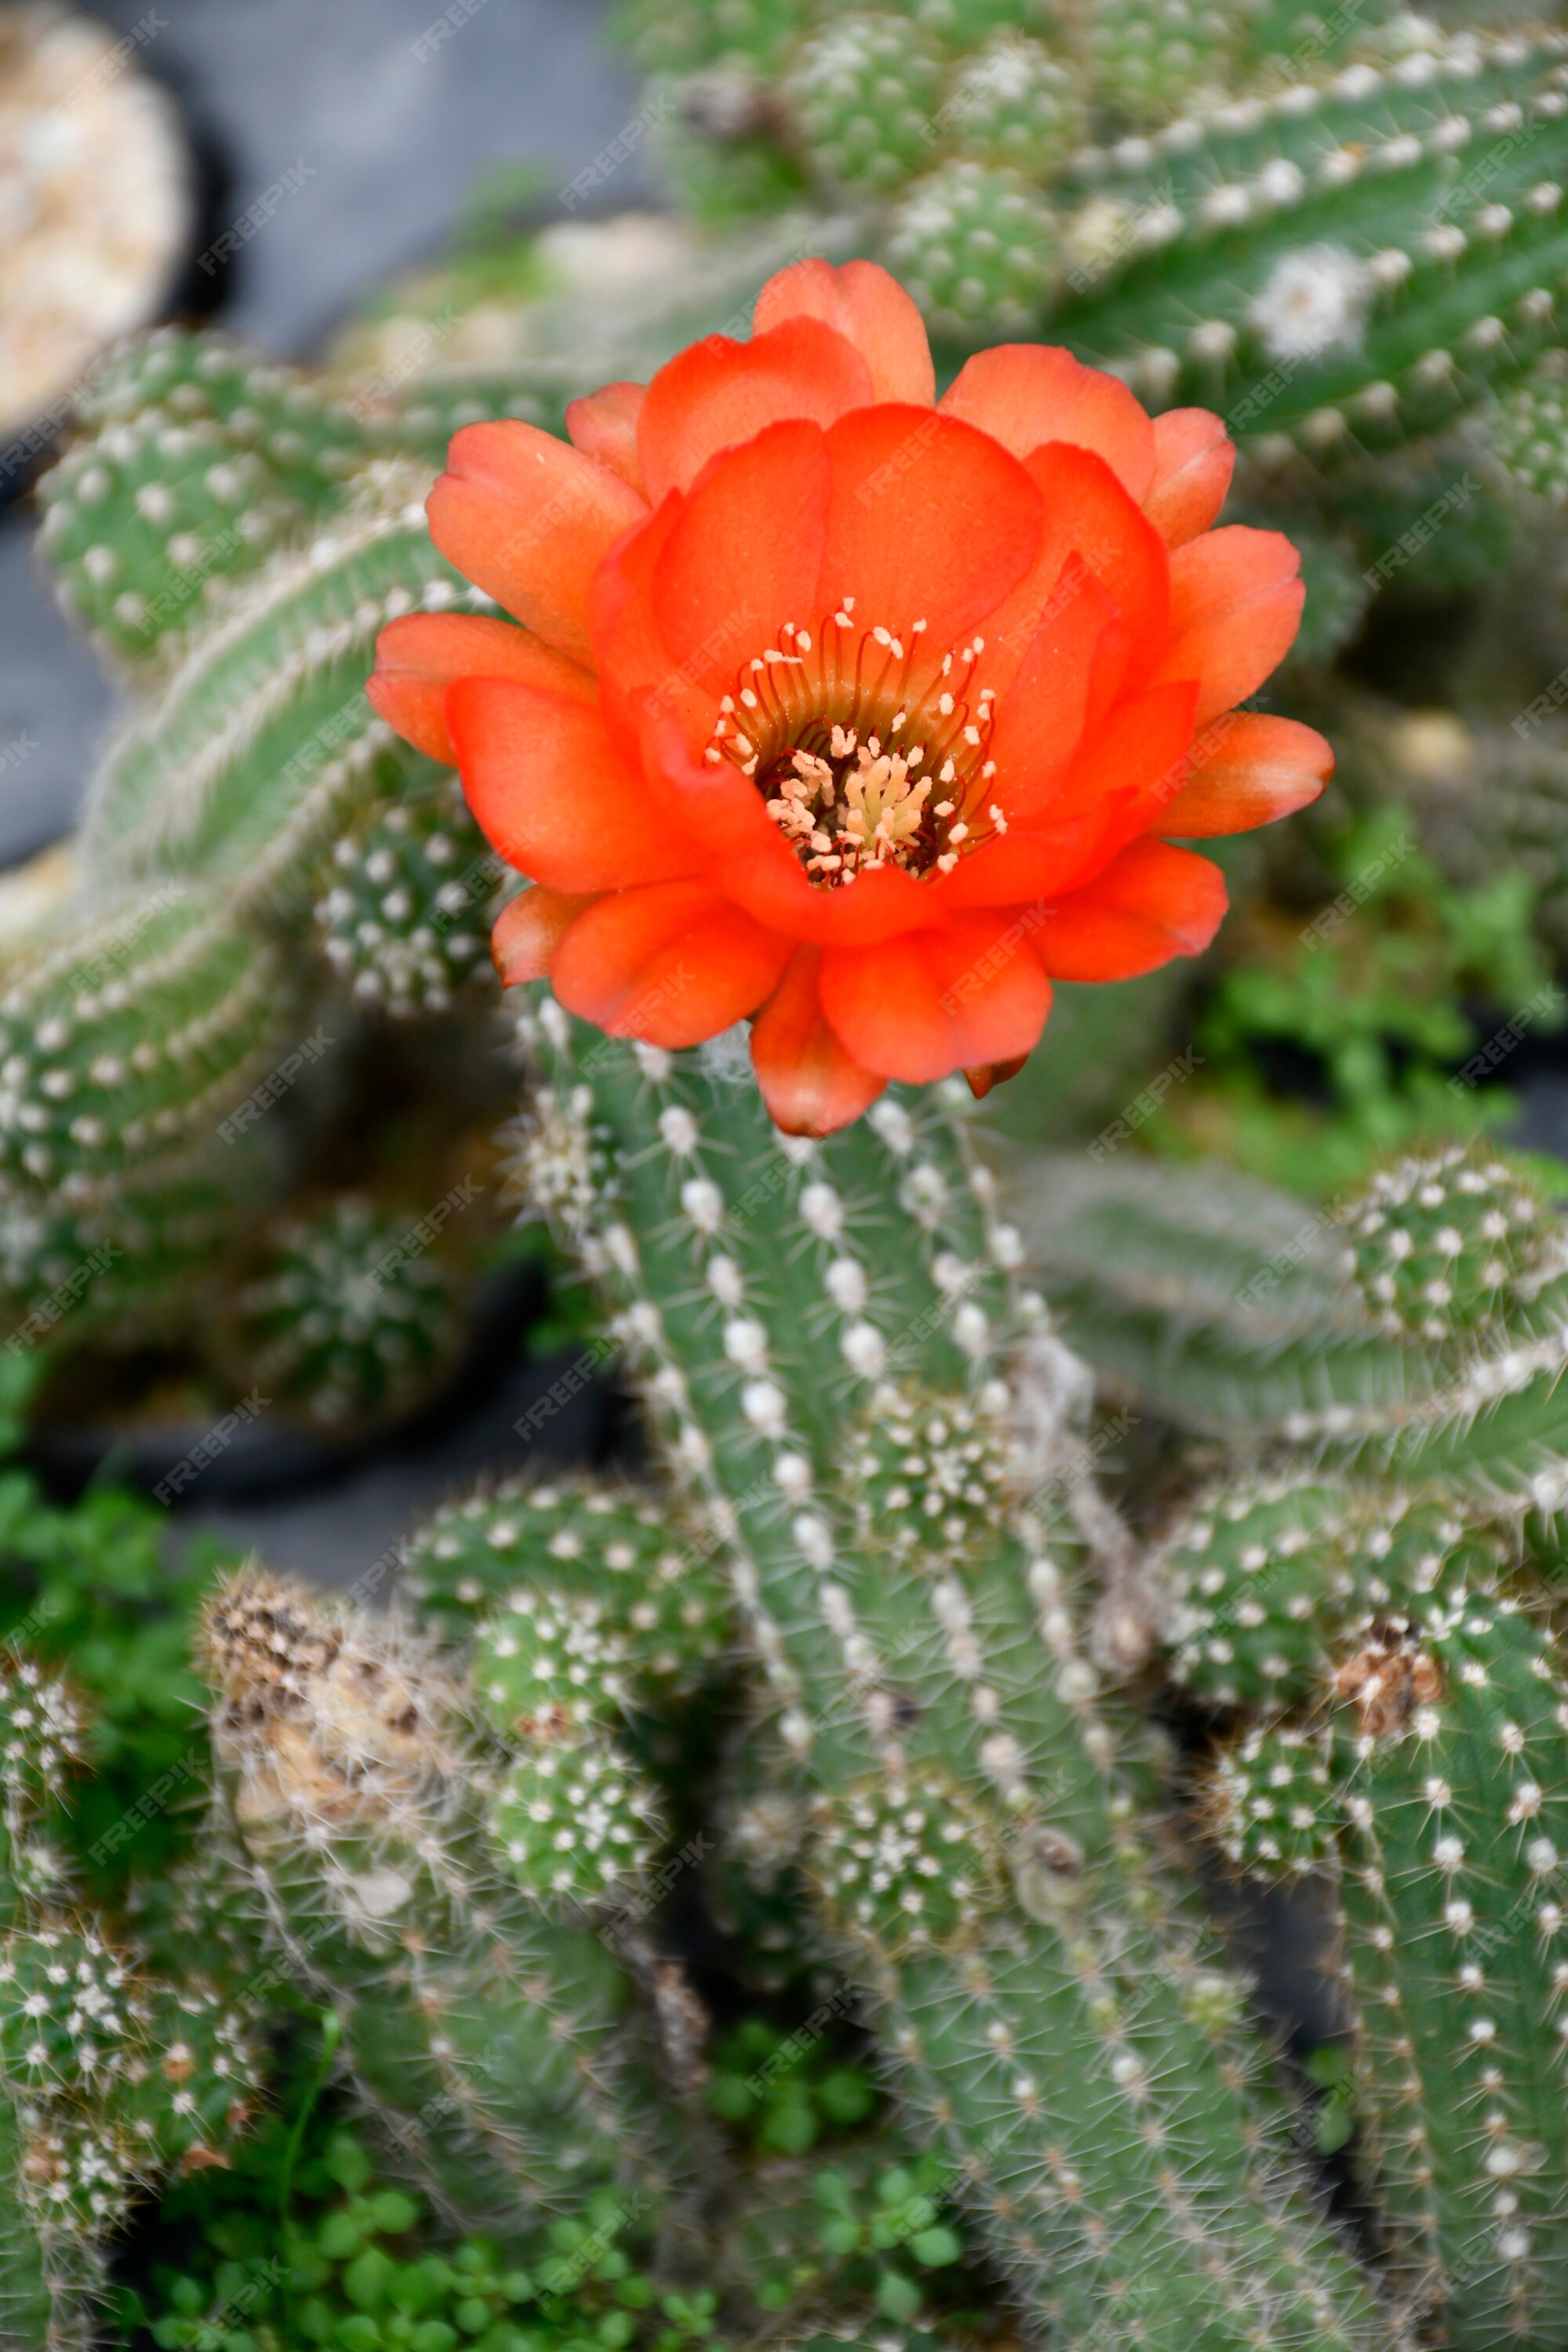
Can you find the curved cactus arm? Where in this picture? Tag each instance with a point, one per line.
(196, 460)
(242, 772)
(490, 2042)
(975, 1838)
(1356, 263)
(126, 1044)
(42, 1732)
(659, 1583)
(1498, 1433)
(1439, 1785)
(1218, 1302)
(52, 2277)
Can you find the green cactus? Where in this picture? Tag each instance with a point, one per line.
(129, 1040)
(863, 93)
(1370, 1608)
(684, 36)
(976, 245)
(351, 1314)
(491, 2040)
(1441, 1244)
(109, 2077)
(1350, 266)
(197, 461)
(1411, 1330)
(1335, 254)
(42, 1733)
(1249, 1569)
(1151, 60)
(971, 1811)
(404, 921)
(1434, 1777)
(1012, 102)
(1528, 431)
(262, 746)
(656, 1583)
(571, 1814)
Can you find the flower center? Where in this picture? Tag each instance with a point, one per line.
(867, 748)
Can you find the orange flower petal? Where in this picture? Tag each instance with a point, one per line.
(528, 929)
(420, 656)
(1140, 749)
(1119, 783)
(632, 657)
(927, 520)
(717, 811)
(1152, 903)
(929, 1003)
(550, 792)
(1066, 677)
(672, 964)
(742, 555)
(1025, 393)
(718, 392)
(1235, 605)
(869, 309)
(603, 424)
(810, 1085)
(1193, 460)
(1245, 771)
(1086, 513)
(528, 519)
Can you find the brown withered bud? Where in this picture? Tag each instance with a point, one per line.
(322, 1710)
(1389, 1677)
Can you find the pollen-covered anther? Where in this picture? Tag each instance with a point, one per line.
(819, 739)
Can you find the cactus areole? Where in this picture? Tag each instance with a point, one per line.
(862, 713)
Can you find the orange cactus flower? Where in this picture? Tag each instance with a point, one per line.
(857, 713)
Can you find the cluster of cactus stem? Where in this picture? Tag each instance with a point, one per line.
(875, 1587)
(113, 2074)
(265, 878)
(464, 1828)
(1342, 229)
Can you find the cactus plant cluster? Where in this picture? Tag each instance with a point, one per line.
(866, 1693)
(456, 1829)
(110, 2075)
(264, 879)
(1343, 229)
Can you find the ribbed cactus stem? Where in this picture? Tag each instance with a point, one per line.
(1356, 262)
(51, 2272)
(107, 2077)
(1437, 1780)
(125, 1043)
(248, 765)
(41, 1744)
(976, 1837)
(658, 1582)
(196, 460)
(492, 2043)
